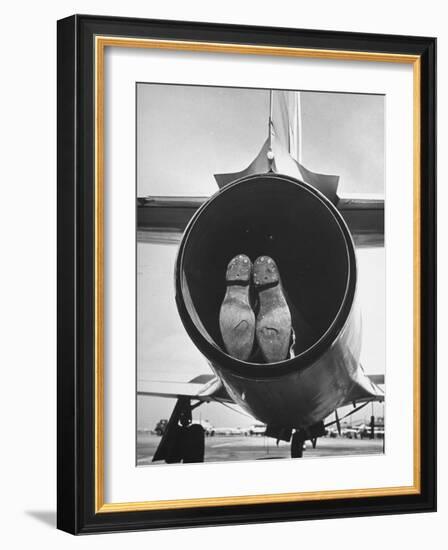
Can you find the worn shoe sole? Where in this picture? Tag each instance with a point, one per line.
(236, 317)
(273, 327)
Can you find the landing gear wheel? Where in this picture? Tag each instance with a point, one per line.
(173, 453)
(193, 442)
(297, 442)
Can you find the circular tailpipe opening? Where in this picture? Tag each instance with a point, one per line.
(288, 220)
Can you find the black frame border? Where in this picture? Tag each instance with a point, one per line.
(76, 261)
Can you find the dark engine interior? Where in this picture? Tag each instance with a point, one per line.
(279, 217)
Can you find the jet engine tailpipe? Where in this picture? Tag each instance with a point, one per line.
(302, 231)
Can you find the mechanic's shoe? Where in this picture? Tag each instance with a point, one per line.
(236, 317)
(273, 327)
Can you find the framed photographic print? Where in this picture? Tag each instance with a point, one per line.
(246, 274)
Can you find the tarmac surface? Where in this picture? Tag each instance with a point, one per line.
(238, 447)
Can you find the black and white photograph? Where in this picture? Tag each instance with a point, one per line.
(260, 274)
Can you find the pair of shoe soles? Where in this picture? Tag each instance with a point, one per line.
(239, 328)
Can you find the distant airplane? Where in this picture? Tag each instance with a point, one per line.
(279, 208)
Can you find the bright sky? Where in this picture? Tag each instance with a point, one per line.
(185, 135)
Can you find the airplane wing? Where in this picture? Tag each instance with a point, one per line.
(366, 388)
(163, 219)
(208, 387)
(205, 388)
